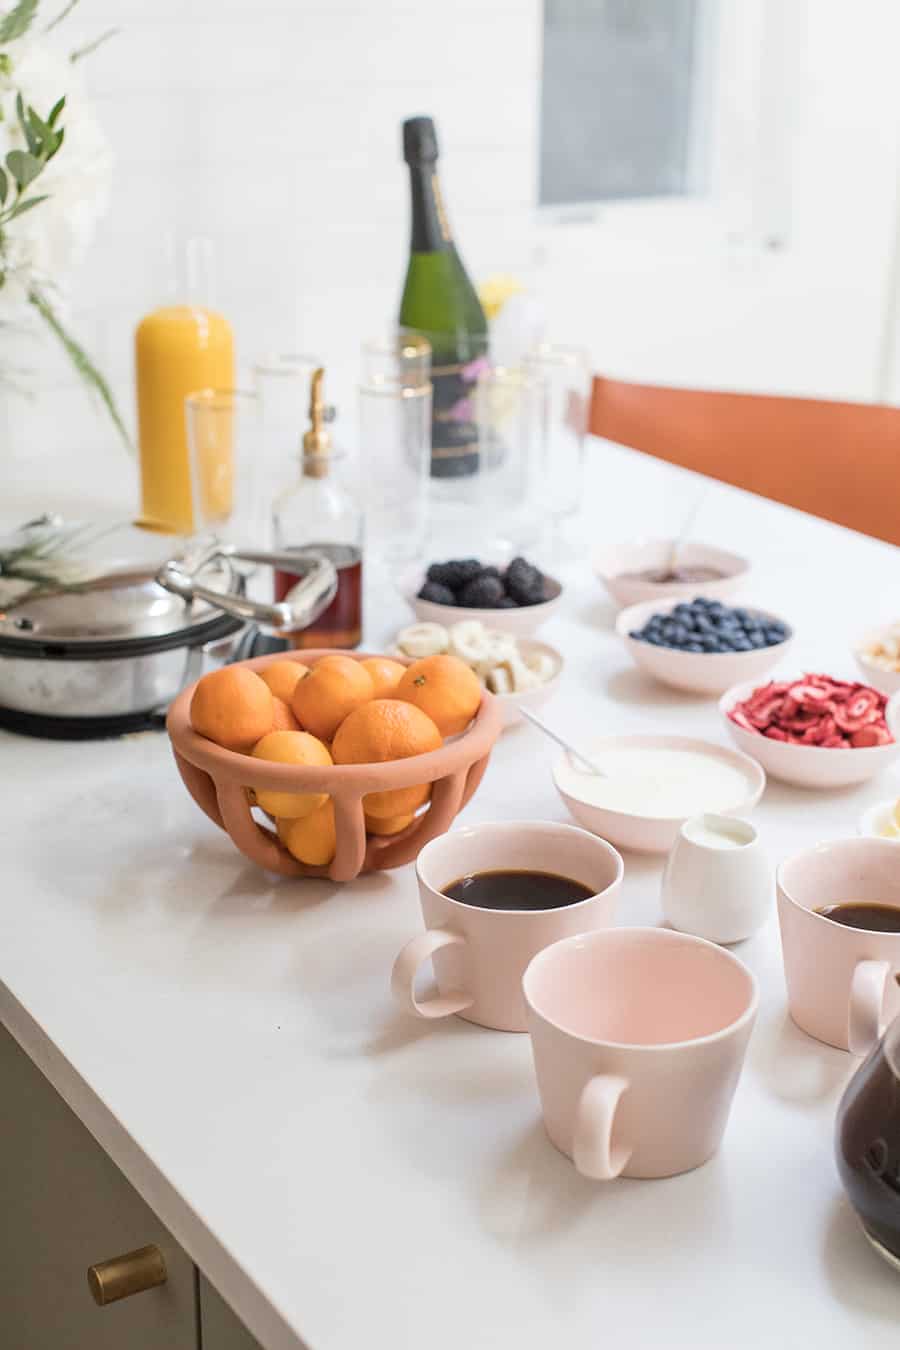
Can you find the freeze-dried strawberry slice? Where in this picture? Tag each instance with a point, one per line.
(860, 709)
(738, 716)
(764, 713)
(873, 734)
(776, 734)
(809, 695)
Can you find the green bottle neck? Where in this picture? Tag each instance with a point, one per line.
(430, 227)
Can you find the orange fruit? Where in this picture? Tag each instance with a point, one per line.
(389, 824)
(311, 839)
(232, 707)
(383, 730)
(290, 747)
(332, 689)
(282, 677)
(445, 688)
(284, 718)
(385, 675)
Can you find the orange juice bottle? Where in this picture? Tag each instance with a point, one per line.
(179, 349)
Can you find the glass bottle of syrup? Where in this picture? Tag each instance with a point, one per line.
(320, 514)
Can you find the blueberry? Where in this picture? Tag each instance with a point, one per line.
(694, 647)
(741, 644)
(758, 639)
(715, 610)
(654, 639)
(709, 642)
(682, 610)
(702, 624)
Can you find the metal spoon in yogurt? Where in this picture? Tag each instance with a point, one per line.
(573, 753)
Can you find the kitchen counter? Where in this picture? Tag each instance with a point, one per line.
(348, 1177)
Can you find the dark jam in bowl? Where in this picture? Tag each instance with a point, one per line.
(664, 576)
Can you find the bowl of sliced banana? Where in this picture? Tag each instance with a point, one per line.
(522, 672)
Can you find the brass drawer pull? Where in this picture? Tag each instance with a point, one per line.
(125, 1275)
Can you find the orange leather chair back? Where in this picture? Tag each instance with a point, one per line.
(836, 460)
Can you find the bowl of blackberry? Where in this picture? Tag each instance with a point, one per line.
(516, 598)
(702, 645)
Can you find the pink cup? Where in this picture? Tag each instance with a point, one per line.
(842, 982)
(479, 955)
(638, 1036)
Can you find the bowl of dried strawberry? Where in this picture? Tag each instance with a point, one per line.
(816, 730)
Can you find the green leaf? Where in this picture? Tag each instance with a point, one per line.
(25, 205)
(80, 360)
(89, 47)
(18, 21)
(5, 63)
(4, 187)
(23, 167)
(57, 138)
(56, 110)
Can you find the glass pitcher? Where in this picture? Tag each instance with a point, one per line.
(867, 1143)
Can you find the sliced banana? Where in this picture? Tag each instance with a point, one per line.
(499, 680)
(423, 639)
(541, 664)
(469, 640)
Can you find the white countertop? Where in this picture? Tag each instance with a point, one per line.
(348, 1177)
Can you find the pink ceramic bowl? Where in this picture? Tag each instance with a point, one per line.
(697, 672)
(811, 766)
(218, 780)
(654, 834)
(613, 561)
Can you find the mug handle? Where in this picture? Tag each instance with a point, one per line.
(592, 1149)
(406, 967)
(864, 1023)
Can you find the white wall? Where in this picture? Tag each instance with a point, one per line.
(273, 125)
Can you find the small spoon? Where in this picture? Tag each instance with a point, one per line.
(688, 524)
(576, 754)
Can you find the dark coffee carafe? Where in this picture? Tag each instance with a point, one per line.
(867, 1144)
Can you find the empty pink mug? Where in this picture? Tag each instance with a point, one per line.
(638, 1035)
(479, 955)
(841, 982)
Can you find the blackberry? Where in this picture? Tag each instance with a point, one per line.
(437, 594)
(455, 573)
(506, 603)
(482, 593)
(524, 582)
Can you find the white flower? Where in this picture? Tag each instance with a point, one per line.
(43, 245)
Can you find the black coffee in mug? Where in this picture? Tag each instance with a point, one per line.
(864, 914)
(512, 890)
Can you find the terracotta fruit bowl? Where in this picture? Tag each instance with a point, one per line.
(218, 780)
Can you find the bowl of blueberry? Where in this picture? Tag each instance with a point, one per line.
(517, 598)
(703, 645)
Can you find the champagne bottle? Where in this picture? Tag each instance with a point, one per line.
(440, 302)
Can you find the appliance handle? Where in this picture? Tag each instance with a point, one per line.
(302, 605)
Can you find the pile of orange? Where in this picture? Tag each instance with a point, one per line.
(339, 711)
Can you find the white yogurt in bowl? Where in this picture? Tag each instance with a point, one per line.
(654, 784)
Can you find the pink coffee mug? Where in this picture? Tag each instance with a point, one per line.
(638, 1037)
(841, 982)
(479, 955)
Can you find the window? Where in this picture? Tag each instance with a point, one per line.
(621, 99)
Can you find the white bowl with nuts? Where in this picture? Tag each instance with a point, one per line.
(878, 657)
(522, 671)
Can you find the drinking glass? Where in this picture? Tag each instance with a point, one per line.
(282, 384)
(563, 376)
(402, 357)
(228, 497)
(492, 508)
(394, 454)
